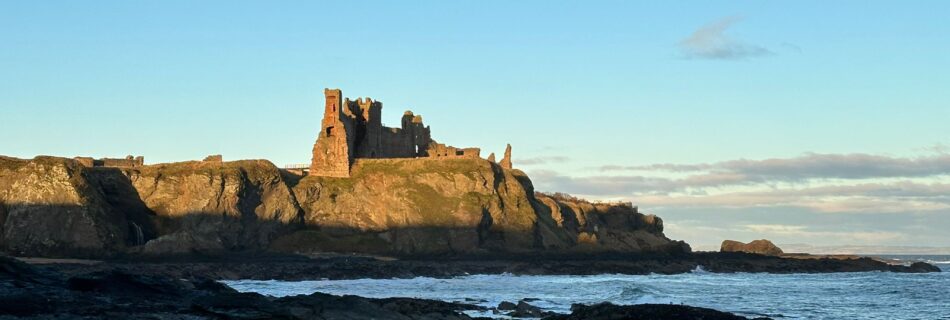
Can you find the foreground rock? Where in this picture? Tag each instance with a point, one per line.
(763, 247)
(605, 311)
(35, 292)
(26, 291)
(522, 309)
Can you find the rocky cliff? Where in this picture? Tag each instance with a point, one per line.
(424, 206)
(52, 207)
(55, 207)
(608, 226)
(207, 206)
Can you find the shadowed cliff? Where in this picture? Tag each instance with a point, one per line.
(54, 207)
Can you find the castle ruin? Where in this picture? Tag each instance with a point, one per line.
(127, 162)
(353, 129)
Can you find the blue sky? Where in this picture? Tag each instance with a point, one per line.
(593, 96)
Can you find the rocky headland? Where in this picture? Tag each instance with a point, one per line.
(473, 215)
(55, 207)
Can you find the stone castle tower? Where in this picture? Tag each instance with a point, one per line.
(332, 153)
(353, 130)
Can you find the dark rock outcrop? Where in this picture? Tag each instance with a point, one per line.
(763, 247)
(526, 310)
(922, 267)
(605, 311)
(27, 291)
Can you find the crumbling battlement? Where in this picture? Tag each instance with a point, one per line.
(354, 129)
(127, 162)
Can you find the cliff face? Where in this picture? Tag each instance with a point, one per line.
(421, 206)
(215, 206)
(609, 226)
(54, 207)
(50, 207)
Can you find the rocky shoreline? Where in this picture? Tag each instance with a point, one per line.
(289, 267)
(185, 287)
(28, 291)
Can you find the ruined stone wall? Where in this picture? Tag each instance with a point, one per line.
(127, 162)
(438, 150)
(353, 129)
(88, 162)
(396, 143)
(369, 128)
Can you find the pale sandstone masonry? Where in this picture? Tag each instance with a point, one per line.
(127, 162)
(353, 130)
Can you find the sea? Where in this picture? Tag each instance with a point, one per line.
(857, 295)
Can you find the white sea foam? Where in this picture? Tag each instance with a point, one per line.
(877, 295)
(699, 270)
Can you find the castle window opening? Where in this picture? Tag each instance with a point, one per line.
(329, 131)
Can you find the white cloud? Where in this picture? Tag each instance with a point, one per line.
(812, 166)
(540, 160)
(819, 182)
(711, 42)
(803, 232)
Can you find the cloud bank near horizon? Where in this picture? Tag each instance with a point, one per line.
(853, 187)
(821, 182)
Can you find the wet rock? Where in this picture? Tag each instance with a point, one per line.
(525, 310)
(506, 306)
(923, 267)
(27, 291)
(610, 311)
